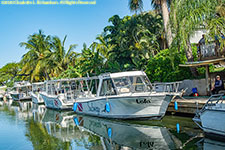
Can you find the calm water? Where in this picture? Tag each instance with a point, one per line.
(24, 126)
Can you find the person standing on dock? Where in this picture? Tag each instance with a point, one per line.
(218, 85)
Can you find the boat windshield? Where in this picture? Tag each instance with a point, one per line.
(133, 84)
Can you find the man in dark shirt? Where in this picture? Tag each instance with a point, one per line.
(218, 85)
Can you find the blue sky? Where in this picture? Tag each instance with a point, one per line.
(81, 23)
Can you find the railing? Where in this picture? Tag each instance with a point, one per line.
(210, 51)
(166, 87)
(212, 102)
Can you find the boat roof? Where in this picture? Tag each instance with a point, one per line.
(104, 75)
(74, 79)
(22, 84)
(127, 73)
(38, 83)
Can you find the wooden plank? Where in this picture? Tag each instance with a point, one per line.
(202, 63)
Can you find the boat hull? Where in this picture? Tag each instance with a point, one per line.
(126, 107)
(213, 121)
(19, 97)
(36, 98)
(56, 102)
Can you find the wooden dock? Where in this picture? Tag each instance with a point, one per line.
(187, 105)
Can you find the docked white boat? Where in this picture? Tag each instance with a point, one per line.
(35, 93)
(59, 94)
(211, 118)
(123, 95)
(122, 135)
(21, 91)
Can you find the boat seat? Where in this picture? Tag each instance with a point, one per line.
(124, 90)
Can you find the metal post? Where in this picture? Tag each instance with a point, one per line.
(207, 79)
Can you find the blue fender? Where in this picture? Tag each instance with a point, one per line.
(175, 105)
(76, 121)
(109, 131)
(178, 127)
(107, 107)
(74, 107)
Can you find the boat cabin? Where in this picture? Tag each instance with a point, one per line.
(38, 87)
(107, 84)
(123, 83)
(22, 87)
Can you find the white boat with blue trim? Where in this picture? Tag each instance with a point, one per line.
(35, 94)
(123, 95)
(211, 118)
(21, 91)
(60, 94)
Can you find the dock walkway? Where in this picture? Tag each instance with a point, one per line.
(187, 105)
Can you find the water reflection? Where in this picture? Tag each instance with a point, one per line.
(210, 143)
(59, 124)
(213, 144)
(42, 128)
(117, 135)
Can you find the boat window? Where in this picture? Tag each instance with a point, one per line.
(137, 84)
(122, 84)
(107, 88)
(147, 83)
(132, 84)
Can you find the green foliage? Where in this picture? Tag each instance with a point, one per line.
(134, 39)
(160, 67)
(129, 43)
(9, 74)
(46, 56)
(70, 72)
(40, 138)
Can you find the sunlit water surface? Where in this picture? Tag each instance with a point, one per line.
(25, 126)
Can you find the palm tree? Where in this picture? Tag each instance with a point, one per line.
(33, 61)
(165, 13)
(135, 5)
(60, 59)
(188, 15)
(90, 60)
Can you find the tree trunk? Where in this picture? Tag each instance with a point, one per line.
(190, 58)
(165, 14)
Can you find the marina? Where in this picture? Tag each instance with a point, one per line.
(148, 75)
(42, 128)
(122, 95)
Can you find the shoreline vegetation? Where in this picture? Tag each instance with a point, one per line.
(155, 42)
